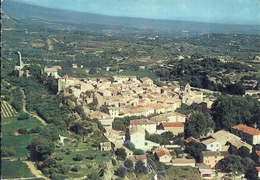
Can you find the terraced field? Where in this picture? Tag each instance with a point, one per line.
(7, 110)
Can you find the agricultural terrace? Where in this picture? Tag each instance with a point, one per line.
(7, 110)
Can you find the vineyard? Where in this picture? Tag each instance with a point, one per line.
(7, 110)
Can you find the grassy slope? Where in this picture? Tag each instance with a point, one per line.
(20, 142)
(15, 169)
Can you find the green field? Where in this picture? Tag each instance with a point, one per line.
(15, 169)
(184, 173)
(15, 141)
(93, 160)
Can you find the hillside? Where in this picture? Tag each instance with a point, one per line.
(98, 22)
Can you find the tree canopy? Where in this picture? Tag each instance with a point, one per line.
(199, 124)
(228, 111)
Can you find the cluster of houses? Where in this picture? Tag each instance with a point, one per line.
(129, 96)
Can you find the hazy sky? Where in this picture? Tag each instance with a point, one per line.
(220, 11)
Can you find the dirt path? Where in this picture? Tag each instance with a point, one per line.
(33, 115)
(35, 171)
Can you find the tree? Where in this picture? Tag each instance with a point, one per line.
(41, 147)
(129, 163)
(195, 148)
(138, 152)
(79, 157)
(235, 89)
(232, 163)
(199, 125)
(157, 138)
(130, 146)
(247, 163)
(243, 152)
(140, 168)
(121, 172)
(228, 111)
(121, 154)
(92, 71)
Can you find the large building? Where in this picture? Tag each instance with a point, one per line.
(246, 133)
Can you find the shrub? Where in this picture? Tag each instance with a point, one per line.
(79, 157)
(121, 172)
(113, 162)
(23, 116)
(76, 168)
(7, 152)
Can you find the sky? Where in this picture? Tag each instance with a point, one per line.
(214, 11)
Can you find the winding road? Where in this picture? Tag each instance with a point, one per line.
(33, 115)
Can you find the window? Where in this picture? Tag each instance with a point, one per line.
(211, 145)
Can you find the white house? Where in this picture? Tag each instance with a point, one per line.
(212, 144)
(137, 137)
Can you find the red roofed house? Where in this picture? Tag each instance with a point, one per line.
(246, 133)
(74, 65)
(189, 139)
(174, 127)
(163, 156)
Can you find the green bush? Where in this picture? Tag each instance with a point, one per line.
(79, 157)
(23, 116)
(7, 152)
(76, 168)
(113, 162)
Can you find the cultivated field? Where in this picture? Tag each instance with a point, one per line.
(7, 110)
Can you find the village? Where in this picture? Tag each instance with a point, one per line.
(129, 96)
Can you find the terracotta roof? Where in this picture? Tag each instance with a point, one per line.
(257, 168)
(140, 157)
(172, 124)
(189, 139)
(162, 153)
(246, 129)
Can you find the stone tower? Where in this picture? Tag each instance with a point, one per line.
(20, 62)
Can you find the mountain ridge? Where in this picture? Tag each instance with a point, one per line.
(22, 11)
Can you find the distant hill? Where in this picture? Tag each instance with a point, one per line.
(89, 21)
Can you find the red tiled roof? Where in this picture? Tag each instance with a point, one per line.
(162, 153)
(140, 157)
(189, 139)
(172, 124)
(246, 129)
(258, 169)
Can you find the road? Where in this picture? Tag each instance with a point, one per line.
(33, 115)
